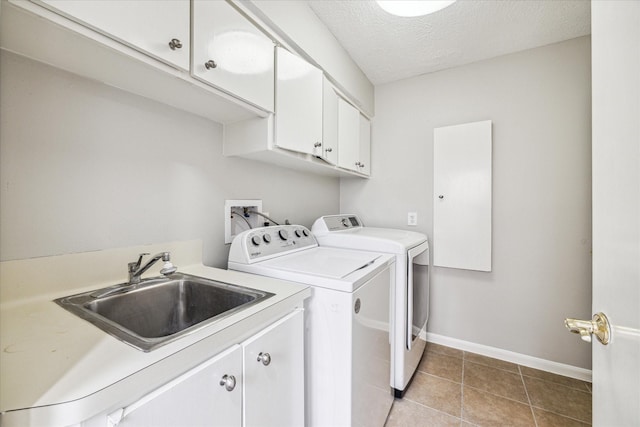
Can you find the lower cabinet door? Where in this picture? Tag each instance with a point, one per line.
(274, 374)
(208, 395)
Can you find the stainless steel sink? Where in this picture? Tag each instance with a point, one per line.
(157, 311)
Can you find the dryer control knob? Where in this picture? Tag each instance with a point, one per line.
(305, 232)
(256, 240)
(267, 238)
(298, 233)
(283, 234)
(345, 222)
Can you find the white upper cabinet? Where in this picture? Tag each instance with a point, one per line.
(365, 146)
(329, 124)
(354, 135)
(298, 118)
(232, 53)
(157, 28)
(348, 136)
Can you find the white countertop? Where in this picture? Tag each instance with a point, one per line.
(64, 369)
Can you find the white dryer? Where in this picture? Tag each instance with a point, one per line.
(410, 297)
(347, 333)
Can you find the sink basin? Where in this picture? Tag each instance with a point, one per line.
(158, 311)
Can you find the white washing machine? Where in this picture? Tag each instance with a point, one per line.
(410, 297)
(347, 334)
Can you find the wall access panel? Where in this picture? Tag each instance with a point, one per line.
(462, 196)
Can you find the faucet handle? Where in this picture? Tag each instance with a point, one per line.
(133, 266)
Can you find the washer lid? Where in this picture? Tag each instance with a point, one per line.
(387, 240)
(332, 263)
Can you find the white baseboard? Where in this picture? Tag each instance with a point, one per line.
(510, 356)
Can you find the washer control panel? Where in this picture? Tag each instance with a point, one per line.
(268, 242)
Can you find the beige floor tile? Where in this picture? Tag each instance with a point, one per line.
(489, 361)
(442, 366)
(406, 413)
(434, 392)
(559, 399)
(548, 419)
(496, 381)
(558, 379)
(441, 349)
(485, 409)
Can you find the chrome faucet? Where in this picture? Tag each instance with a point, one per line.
(135, 270)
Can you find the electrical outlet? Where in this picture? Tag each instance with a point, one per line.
(237, 218)
(412, 218)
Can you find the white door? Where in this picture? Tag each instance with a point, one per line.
(348, 136)
(616, 209)
(274, 374)
(364, 149)
(298, 103)
(160, 29)
(208, 395)
(329, 149)
(232, 54)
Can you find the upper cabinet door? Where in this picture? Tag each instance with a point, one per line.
(365, 145)
(232, 53)
(329, 149)
(348, 136)
(298, 104)
(157, 28)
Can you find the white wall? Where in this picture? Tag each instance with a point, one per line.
(85, 167)
(539, 102)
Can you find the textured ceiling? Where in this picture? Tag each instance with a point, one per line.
(389, 48)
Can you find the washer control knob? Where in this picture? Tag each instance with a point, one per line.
(345, 222)
(283, 234)
(305, 232)
(256, 240)
(298, 233)
(267, 238)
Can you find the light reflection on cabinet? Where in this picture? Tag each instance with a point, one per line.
(231, 53)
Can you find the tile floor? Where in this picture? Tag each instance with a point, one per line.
(456, 388)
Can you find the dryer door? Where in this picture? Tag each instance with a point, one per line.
(417, 292)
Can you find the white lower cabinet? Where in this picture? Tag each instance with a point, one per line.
(274, 375)
(258, 382)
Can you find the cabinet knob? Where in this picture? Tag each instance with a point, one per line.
(361, 165)
(228, 382)
(210, 64)
(328, 150)
(358, 164)
(265, 358)
(441, 197)
(317, 144)
(175, 44)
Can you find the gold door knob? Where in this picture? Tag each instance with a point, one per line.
(599, 326)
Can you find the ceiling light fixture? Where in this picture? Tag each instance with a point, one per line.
(411, 8)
